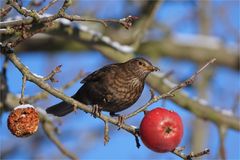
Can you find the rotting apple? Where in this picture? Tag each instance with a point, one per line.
(161, 130)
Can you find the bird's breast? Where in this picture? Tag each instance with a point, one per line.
(123, 93)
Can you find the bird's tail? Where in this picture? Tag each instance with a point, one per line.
(63, 108)
(60, 109)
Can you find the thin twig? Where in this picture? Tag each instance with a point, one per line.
(5, 10)
(50, 132)
(151, 93)
(106, 132)
(79, 18)
(45, 8)
(27, 34)
(191, 80)
(222, 134)
(51, 75)
(24, 11)
(199, 154)
(126, 22)
(236, 103)
(179, 153)
(24, 78)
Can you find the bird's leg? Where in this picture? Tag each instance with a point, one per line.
(96, 110)
(120, 119)
(75, 108)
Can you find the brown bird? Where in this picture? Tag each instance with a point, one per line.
(113, 88)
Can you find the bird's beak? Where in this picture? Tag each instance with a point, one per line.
(153, 68)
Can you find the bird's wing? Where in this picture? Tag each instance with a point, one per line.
(101, 73)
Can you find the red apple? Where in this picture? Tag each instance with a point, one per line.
(161, 130)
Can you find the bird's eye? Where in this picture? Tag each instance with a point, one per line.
(140, 63)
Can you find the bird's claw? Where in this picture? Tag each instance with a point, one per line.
(96, 110)
(120, 121)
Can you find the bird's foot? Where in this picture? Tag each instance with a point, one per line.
(120, 119)
(96, 110)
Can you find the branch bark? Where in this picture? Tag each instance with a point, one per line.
(197, 54)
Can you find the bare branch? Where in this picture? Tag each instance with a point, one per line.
(106, 133)
(25, 34)
(179, 153)
(236, 103)
(45, 8)
(198, 54)
(52, 74)
(5, 10)
(222, 134)
(192, 78)
(50, 132)
(24, 11)
(24, 78)
(126, 22)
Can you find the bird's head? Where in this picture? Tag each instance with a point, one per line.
(141, 67)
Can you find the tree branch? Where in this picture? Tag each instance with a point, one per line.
(179, 153)
(198, 54)
(35, 17)
(21, 101)
(49, 130)
(4, 11)
(45, 8)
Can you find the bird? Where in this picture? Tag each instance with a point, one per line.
(113, 88)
